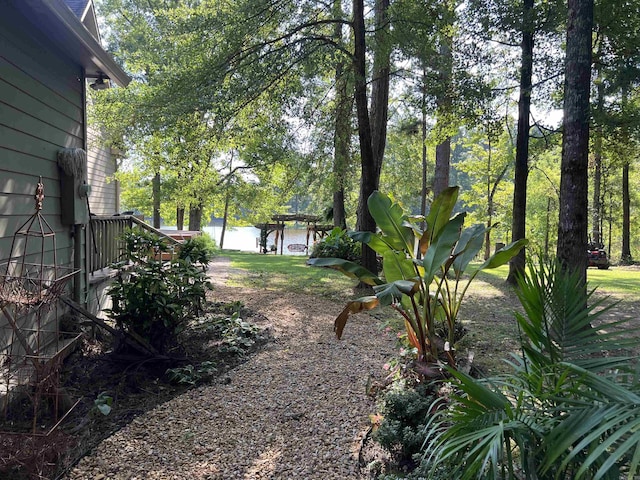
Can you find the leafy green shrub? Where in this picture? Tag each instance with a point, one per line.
(337, 245)
(405, 413)
(152, 298)
(200, 249)
(567, 410)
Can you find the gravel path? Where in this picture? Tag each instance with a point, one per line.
(296, 410)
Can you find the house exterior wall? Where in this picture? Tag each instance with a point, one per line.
(41, 112)
(103, 199)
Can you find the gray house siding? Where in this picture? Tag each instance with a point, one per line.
(41, 112)
(102, 167)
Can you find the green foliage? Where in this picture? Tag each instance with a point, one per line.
(568, 408)
(405, 412)
(153, 298)
(236, 335)
(487, 161)
(103, 403)
(200, 249)
(427, 290)
(337, 244)
(192, 375)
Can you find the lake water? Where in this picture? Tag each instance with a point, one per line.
(247, 239)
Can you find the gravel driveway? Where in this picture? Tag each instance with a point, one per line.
(296, 410)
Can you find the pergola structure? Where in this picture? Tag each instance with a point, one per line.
(315, 230)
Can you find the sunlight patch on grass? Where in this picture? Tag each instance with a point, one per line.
(622, 282)
(289, 273)
(617, 281)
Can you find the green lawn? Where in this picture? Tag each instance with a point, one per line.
(289, 273)
(623, 282)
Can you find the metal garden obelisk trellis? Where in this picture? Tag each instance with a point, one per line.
(29, 291)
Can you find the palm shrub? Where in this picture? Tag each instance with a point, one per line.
(422, 270)
(569, 409)
(153, 298)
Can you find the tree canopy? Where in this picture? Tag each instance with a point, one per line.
(252, 103)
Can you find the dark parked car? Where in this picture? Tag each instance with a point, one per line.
(597, 256)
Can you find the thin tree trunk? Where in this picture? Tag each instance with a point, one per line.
(573, 218)
(521, 174)
(443, 149)
(596, 207)
(626, 257)
(224, 218)
(443, 167)
(227, 198)
(425, 187)
(487, 235)
(547, 226)
(180, 218)
(156, 200)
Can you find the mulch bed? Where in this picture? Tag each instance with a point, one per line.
(134, 384)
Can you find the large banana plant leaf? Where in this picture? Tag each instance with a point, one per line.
(503, 255)
(356, 306)
(351, 269)
(375, 241)
(468, 246)
(391, 220)
(396, 266)
(439, 215)
(440, 249)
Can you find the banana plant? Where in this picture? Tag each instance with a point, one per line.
(422, 288)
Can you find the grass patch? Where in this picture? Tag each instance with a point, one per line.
(288, 273)
(620, 282)
(623, 282)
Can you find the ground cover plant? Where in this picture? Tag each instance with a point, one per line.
(113, 392)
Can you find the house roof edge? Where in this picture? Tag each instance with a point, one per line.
(78, 42)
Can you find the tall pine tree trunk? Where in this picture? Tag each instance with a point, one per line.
(518, 226)
(443, 149)
(342, 132)
(573, 218)
(195, 217)
(380, 84)
(371, 131)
